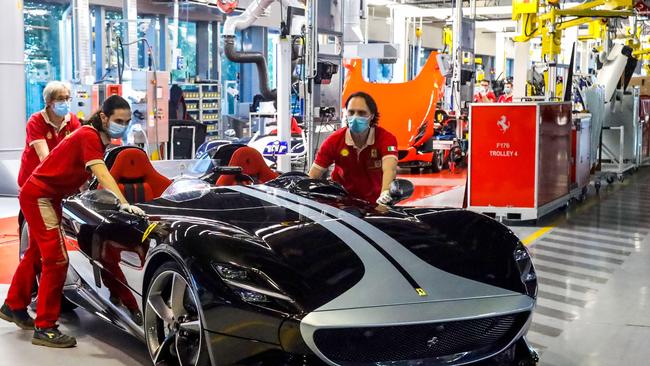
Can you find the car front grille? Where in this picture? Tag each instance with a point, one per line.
(442, 343)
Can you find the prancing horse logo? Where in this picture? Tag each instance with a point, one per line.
(432, 342)
(503, 124)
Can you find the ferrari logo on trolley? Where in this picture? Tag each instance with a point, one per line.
(503, 124)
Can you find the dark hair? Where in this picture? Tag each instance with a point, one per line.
(110, 105)
(508, 83)
(369, 102)
(486, 80)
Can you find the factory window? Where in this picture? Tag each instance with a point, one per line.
(271, 52)
(510, 67)
(41, 50)
(187, 45)
(379, 72)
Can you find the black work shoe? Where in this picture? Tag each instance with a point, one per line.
(52, 337)
(21, 318)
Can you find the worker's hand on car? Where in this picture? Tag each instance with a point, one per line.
(384, 198)
(135, 210)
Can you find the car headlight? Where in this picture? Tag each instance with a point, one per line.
(526, 270)
(254, 287)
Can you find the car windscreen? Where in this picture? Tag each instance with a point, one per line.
(192, 168)
(186, 189)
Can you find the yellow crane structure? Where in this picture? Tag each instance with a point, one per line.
(548, 21)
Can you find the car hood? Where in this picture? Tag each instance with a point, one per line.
(330, 254)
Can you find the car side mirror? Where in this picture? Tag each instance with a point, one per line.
(401, 189)
(100, 200)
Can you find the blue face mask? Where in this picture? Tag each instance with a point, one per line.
(61, 108)
(358, 124)
(115, 130)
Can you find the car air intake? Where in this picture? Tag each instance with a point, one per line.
(401, 154)
(441, 343)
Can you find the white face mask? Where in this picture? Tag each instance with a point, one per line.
(485, 89)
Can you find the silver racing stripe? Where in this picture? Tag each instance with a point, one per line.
(381, 283)
(438, 284)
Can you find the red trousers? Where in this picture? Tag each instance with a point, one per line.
(47, 249)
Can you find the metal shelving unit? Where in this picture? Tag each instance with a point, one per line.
(204, 105)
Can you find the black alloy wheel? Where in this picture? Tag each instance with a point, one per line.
(173, 329)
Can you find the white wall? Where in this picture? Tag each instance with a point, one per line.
(12, 75)
(485, 43)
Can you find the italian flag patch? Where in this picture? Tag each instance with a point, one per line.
(392, 148)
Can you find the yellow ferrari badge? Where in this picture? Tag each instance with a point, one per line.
(421, 292)
(373, 153)
(49, 135)
(345, 152)
(148, 231)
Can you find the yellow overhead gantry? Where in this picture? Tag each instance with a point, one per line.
(548, 21)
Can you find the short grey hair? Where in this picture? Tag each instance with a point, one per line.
(54, 87)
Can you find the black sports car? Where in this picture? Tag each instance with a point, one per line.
(296, 272)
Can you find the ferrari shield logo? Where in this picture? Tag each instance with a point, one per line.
(345, 152)
(373, 153)
(421, 292)
(49, 135)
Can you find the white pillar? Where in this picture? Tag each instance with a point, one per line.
(12, 74)
(130, 13)
(400, 37)
(284, 99)
(500, 56)
(522, 64)
(84, 72)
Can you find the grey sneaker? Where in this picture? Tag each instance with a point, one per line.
(52, 337)
(20, 317)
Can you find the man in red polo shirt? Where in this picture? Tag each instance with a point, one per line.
(506, 97)
(46, 128)
(484, 94)
(364, 155)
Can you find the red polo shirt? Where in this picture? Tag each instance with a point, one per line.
(40, 128)
(358, 170)
(66, 168)
(505, 98)
(478, 97)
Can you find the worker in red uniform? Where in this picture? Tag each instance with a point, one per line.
(46, 128)
(364, 155)
(60, 175)
(485, 94)
(506, 97)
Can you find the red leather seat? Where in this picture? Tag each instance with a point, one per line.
(295, 129)
(252, 164)
(136, 177)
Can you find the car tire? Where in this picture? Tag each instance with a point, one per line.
(66, 305)
(437, 161)
(168, 323)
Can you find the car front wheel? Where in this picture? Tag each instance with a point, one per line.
(173, 329)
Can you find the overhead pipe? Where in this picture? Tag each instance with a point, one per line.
(256, 58)
(243, 21)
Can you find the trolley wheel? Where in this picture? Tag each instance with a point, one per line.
(610, 179)
(597, 185)
(621, 178)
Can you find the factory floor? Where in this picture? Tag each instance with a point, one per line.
(592, 260)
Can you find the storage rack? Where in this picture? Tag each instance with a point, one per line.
(204, 105)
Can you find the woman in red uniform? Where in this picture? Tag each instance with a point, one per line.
(60, 175)
(46, 128)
